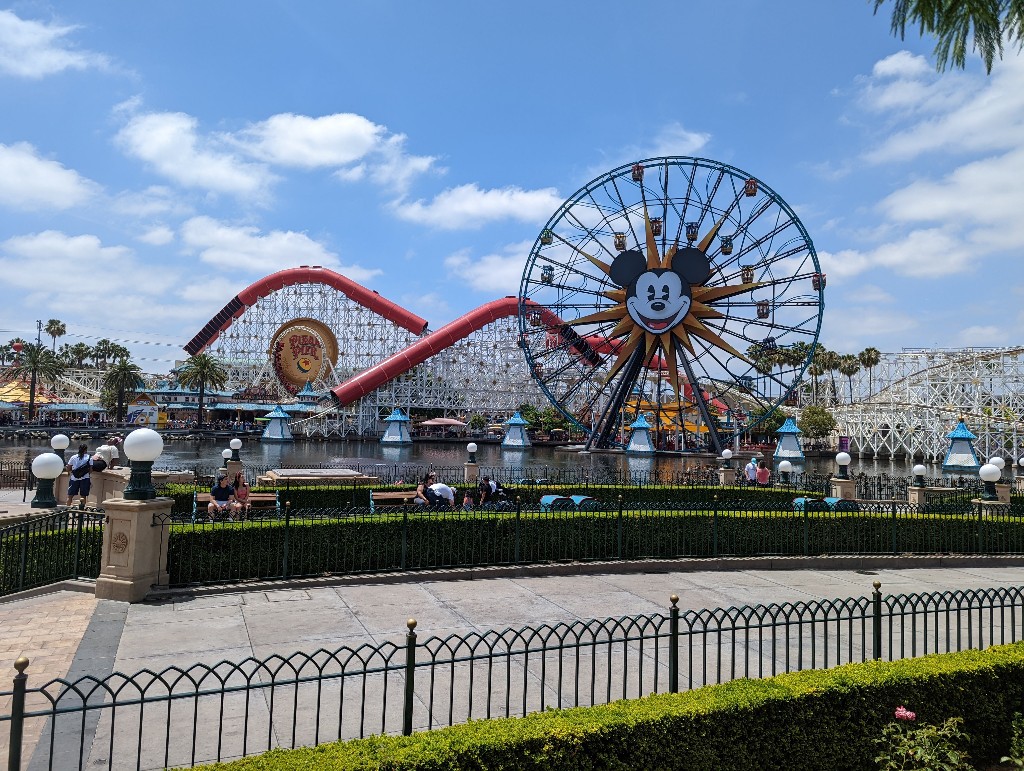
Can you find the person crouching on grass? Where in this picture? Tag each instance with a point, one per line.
(222, 499)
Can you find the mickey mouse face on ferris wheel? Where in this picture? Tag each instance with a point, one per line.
(659, 298)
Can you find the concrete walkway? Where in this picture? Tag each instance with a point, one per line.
(232, 627)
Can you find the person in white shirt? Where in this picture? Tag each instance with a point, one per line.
(441, 490)
(751, 472)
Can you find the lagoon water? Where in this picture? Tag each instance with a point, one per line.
(178, 454)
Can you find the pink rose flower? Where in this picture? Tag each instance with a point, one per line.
(902, 713)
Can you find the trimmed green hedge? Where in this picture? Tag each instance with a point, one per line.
(49, 557)
(806, 720)
(395, 541)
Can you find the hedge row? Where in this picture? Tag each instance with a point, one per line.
(49, 557)
(381, 542)
(808, 720)
(349, 496)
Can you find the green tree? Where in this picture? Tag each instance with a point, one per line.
(122, 379)
(849, 365)
(816, 422)
(951, 22)
(79, 353)
(101, 352)
(531, 415)
(772, 423)
(200, 371)
(36, 363)
(869, 359)
(55, 328)
(477, 422)
(829, 362)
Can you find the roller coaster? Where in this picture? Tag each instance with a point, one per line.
(905, 406)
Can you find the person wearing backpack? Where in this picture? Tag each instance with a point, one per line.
(79, 467)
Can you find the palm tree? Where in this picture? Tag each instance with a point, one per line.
(36, 362)
(123, 378)
(869, 359)
(849, 366)
(829, 362)
(951, 22)
(200, 371)
(79, 353)
(815, 370)
(55, 328)
(101, 352)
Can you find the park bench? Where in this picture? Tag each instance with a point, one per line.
(258, 503)
(397, 498)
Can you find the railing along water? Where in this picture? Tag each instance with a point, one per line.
(183, 716)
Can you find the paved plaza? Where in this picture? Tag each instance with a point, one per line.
(71, 634)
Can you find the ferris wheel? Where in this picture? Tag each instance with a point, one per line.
(679, 289)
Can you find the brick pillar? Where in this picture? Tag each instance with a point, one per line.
(133, 560)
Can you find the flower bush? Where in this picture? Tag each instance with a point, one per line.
(925, 747)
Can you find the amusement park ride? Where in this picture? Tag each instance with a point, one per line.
(654, 289)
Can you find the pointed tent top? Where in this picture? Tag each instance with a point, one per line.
(277, 412)
(396, 416)
(516, 420)
(640, 422)
(307, 392)
(789, 427)
(961, 432)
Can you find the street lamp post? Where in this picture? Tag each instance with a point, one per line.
(919, 472)
(843, 461)
(1000, 464)
(235, 445)
(45, 468)
(727, 458)
(59, 443)
(785, 467)
(989, 473)
(142, 446)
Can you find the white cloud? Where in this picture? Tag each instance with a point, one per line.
(928, 253)
(244, 248)
(468, 207)
(171, 144)
(499, 273)
(673, 139)
(954, 112)
(983, 336)
(33, 49)
(888, 328)
(299, 140)
(161, 235)
(429, 304)
(30, 182)
(361, 148)
(81, 266)
(154, 200)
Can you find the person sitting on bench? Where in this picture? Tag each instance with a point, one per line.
(222, 499)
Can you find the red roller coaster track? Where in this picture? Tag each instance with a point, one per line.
(303, 275)
(369, 380)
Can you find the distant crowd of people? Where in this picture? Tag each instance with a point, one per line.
(435, 494)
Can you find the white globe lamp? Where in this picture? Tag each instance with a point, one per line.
(471, 449)
(785, 469)
(46, 468)
(142, 446)
(60, 443)
(989, 474)
(843, 461)
(919, 472)
(727, 457)
(235, 445)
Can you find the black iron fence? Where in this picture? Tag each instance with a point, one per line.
(183, 716)
(15, 474)
(312, 542)
(54, 547)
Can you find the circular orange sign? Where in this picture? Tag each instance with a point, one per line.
(303, 349)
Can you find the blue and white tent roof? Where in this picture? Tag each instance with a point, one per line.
(640, 422)
(961, 432)
(277, 412)
(516, 420)
(396, 416)
(307, 392)
(789, 427)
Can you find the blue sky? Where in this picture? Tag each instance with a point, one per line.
(157, 158)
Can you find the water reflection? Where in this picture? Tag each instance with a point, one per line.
(539, 460)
